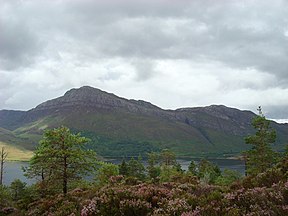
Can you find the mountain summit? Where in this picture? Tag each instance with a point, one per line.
(84, 96)
(118, 126)
(87, 96)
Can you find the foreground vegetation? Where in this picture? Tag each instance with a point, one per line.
(173, 193)
(161, 188)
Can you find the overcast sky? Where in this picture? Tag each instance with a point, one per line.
(172, 53)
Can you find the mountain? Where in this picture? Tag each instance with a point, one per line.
(122, 127)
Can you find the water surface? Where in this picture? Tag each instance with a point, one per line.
(13, 170)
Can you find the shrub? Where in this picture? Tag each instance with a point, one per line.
(105, 172)
(5, 196)
(134, 207)
(227, 177)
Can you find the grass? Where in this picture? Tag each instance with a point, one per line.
(16, 154)
(113, 133)
(116, 132)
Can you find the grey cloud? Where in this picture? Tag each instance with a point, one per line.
(18, 45)
(145, 69)
(237, 34)
(276, 112)
(5, 92)
(241, 37)
(110, 76)
(110, 9)
(5, 79)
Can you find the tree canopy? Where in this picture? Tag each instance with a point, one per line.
(261, 156)
(60, 158)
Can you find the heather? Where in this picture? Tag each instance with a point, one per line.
(160, 188)
(182, 196)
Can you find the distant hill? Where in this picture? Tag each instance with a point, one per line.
(122, 127)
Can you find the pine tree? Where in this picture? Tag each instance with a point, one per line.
(61, 158)
(136, 168)
(192, 168)
(123, 168)
(261, 156)
(168, 157)
(152, 168)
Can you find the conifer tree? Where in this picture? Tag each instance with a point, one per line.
(261, 156)
(60, 158)
(152, 168)
(168, 157)
(136, 168)
(123, 168)
(192, 168)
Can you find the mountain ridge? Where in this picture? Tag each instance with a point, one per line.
(117, 125)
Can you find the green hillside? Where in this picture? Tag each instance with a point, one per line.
(17, 148)
(119, 127)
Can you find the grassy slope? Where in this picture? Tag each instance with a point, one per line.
(114, 133)
(119, 133)
(9, 137)
(108, 132)
(123, 127)
(15, 146)
(16, 153)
